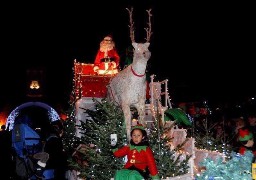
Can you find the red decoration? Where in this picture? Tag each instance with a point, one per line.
(147, 91)
(63, 116)
(88, 84)
(203, 111)
(192, 110)
(94, 86)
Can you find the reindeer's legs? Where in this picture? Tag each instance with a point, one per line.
(127, 117)
(140, 106)
(141, 112)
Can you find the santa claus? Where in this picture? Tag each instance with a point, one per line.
(107, 59)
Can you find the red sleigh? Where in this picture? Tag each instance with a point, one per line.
(89, 83)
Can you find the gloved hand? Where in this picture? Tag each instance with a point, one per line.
(95, 68)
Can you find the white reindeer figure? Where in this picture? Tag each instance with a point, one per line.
(128, 87)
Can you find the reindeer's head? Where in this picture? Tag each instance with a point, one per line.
(141, 50)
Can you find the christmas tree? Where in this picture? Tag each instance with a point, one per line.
(170, 163)
(208, 129)
(93, 158)
(69, 138)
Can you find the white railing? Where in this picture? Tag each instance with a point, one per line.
(158, 95)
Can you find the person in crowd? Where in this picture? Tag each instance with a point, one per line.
(107, 59)
(219, 132)
(5, 152)
(240, 123)
(252, 123)
(246, 140)
(53, 146)
(141, 163)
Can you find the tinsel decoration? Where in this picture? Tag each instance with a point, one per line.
(238, 167)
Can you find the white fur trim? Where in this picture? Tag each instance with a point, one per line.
(104, 72)
(41, 164)
(95, 68)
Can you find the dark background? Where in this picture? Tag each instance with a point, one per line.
(205, 50)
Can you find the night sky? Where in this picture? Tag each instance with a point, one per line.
(206, 51)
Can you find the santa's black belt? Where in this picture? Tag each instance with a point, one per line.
(107, 59)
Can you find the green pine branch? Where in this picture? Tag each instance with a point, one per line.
(95, 160)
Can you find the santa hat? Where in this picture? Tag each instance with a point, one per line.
(138, 126)
(108, 36)
(244, 135)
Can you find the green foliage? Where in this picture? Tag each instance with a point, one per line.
(207, 138)
(105, 120)
(93, 159)
(169, 162)
(69, 138)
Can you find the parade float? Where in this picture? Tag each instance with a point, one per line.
(90, 87)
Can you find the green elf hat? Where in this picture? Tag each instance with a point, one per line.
(138, 126)
(244, 135)
(177, 114)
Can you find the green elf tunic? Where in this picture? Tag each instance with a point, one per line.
(140, 158)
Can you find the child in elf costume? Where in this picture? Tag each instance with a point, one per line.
(246, 139)
(141, 162)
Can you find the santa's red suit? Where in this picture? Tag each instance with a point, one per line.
(107, 59)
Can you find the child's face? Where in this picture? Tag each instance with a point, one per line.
(137, 136)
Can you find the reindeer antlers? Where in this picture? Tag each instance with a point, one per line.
(148, 30)
(131, 26)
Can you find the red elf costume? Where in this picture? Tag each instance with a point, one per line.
(141, 162)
